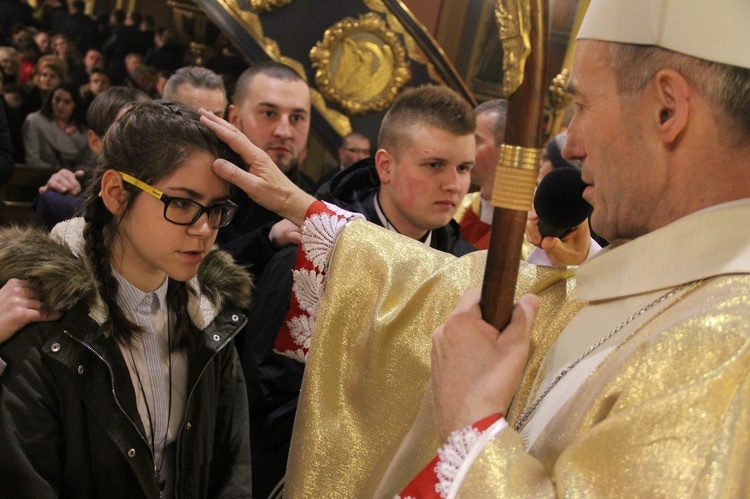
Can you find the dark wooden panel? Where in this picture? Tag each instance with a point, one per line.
(19, 193)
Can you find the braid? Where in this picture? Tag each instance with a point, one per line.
(177, 297)
(96, 234)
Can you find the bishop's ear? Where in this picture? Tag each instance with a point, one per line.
(113, 192)
(672, 102)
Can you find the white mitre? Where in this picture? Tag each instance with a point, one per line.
(713, 30)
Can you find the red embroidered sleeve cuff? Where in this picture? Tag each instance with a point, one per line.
(322, 224)
(437, 478)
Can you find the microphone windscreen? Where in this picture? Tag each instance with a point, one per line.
(559, 203)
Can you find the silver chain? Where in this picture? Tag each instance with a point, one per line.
(525, 415)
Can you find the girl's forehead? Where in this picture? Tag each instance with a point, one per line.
(195, 170)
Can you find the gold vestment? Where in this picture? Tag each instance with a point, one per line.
(369, 361)
(665, 413)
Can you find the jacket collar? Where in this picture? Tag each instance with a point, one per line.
(62, 277)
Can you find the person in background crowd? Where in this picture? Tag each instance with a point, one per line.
(80, 28)
(13, 12)
(54, 13)
(93, 59)
(42, 40)
(13, 108)
(63, 49)
(99, 81)
(28, 54)
(7, 159)
(59, 199)
(552, 157)
(131, 62)
(10, 62)
(145, 79)
(147, 30)
(354, 147)
(50, 72)
(475, 213)
(124, 39)
(161, 82)
(197, 88)
(55, 136)
(228, 62)
(167, 53)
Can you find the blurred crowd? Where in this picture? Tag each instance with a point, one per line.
(56, 59)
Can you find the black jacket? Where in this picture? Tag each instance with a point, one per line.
(70, 425)
(274, 381)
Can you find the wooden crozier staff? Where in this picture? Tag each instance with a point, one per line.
(524, 36)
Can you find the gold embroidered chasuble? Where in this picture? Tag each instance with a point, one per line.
(666, 412)
(369, 361)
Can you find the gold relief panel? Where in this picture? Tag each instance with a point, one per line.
(259, 6)
(558, 97)
(360, 64)
(513, 19)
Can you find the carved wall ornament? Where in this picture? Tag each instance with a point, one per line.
(360, 64)
(514, 22)
(259, 6)
(559, 98)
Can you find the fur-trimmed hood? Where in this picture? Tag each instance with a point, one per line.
(61, 278)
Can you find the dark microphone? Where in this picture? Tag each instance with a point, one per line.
(559, 203)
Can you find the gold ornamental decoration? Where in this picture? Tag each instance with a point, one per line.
(514, 22)
(360, 64)
(515, 177)
(260, 6)
(559, 98)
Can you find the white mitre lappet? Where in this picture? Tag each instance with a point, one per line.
(713, 30)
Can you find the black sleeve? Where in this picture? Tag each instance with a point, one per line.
(231, 468)
(273, 380)
(30, 432)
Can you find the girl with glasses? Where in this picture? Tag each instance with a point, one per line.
(137, 390)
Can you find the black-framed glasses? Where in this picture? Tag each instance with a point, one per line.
(182, 211)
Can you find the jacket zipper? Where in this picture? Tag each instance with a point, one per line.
(187, 404)
(114, 393)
